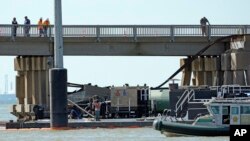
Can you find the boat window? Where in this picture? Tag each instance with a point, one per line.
(225, 110)
(235, 110)
(245, 109)
(215, 109)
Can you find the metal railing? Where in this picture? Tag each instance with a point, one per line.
(233, 89)
(133, 31)
(185, 98)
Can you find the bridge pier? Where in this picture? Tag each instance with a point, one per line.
(32, 85)
(231, 67)
(204, 70)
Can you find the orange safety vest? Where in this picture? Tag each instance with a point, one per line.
(46, 23)
(40, 24)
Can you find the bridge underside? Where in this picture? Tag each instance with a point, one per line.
(111, 46)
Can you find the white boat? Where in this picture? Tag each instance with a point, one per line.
(223, 112)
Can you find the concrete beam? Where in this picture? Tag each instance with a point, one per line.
(110, 46)
(139, 49)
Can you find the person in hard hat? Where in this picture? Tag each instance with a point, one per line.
(203, 23)
(46, 25)
(40, 27)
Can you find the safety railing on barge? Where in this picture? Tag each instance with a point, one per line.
(132, 31)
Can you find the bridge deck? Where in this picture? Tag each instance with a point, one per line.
(119, 40)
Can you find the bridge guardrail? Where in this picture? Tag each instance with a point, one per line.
(99, 31)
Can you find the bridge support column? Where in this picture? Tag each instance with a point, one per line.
(205, 70)
(32, 85)
(217, 77)
(235, 65)
(248, 74)
(20, 88)
(198, 69)
(212, 70)
(186, 73)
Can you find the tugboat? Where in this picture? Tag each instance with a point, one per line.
(223, 112)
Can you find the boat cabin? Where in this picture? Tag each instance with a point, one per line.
(235, 111)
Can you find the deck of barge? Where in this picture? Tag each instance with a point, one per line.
(83, 123)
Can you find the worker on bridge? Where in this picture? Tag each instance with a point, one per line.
(14, 27)
(46, 24)
(26, 27)
(203, 23)
(40, 27)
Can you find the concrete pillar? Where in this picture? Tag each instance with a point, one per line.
(212, 64)
(247, 45)
(226, 67)
(34, 86)
(28, 88)
(32, 82)
(209, 66)
(228, 78)
(194, 78)
(198, 71)
(47, 90)
(20, 88)
(239, 78)
(199, 78)
(248, 75)
(186, 73)
(43, 86)
(226, 61)
(217, 78)
(208, 78)
(186, 78)
(240, 60)
(198, 64)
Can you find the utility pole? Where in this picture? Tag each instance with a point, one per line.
(58, 76)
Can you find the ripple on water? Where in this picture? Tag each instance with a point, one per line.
(121, 134)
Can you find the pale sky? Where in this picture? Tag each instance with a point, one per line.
(105, 71)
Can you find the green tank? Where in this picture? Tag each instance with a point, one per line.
(159, 100)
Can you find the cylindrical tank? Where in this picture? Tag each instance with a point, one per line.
(159, 100)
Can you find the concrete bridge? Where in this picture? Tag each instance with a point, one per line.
(119, 40)
(35, 54)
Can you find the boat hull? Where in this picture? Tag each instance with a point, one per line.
(189, 129)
